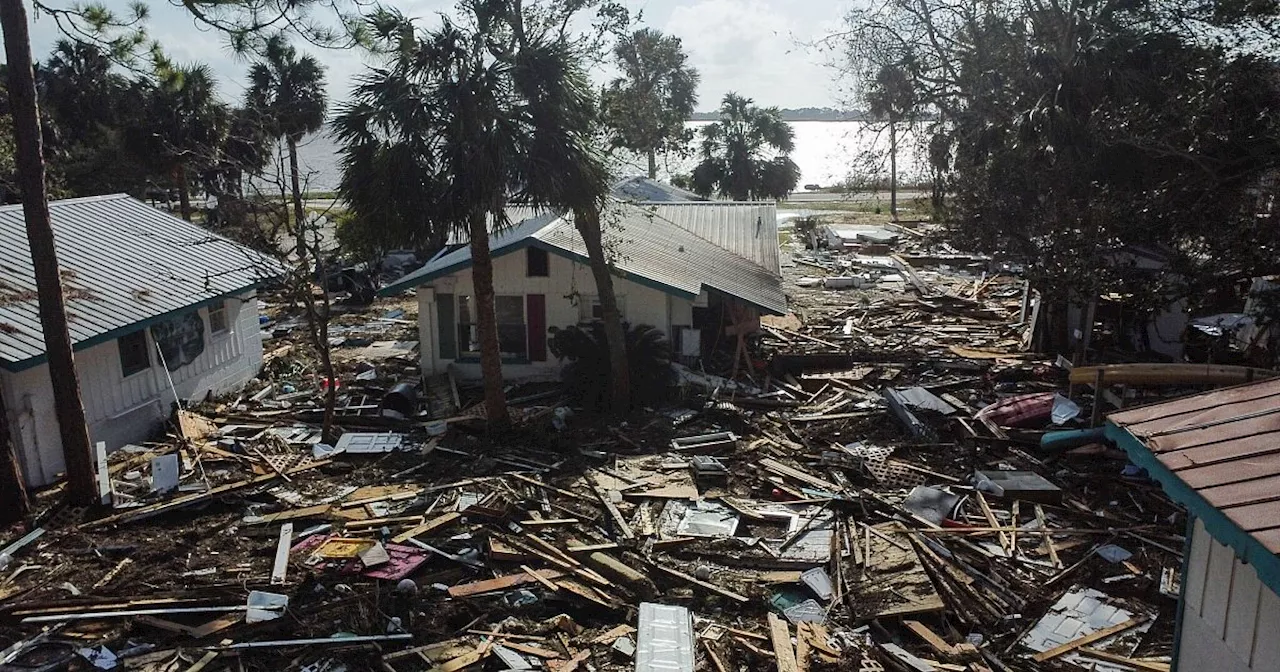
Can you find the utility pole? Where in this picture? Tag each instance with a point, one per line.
(76, 449)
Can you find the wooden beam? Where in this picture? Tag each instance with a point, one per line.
(1088, 639)
(780, 637)
(1128, 662)
(500, 583)
(430, 525)
(701, 584)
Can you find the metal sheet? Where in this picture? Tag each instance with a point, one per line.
(654, 247)
(665, 639)
(123, 262)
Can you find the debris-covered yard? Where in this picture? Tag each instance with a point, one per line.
(877, 493)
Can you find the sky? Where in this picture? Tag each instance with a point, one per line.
(753, 47)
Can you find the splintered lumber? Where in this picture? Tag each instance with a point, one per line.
(540, 579)
(619, 631)
(1168, 374)
(1088, 639)
(429, 526)
(500, 583)
(991, 520)
(713, 657)
(317, 511)
(895, 579)
(802, 646)
(795, 474)
(1048, 540)
(930, 637)
(142, 513)
(701, 584)
(620, 521)
(531, 650)
(552, 488)
(780, 637)
(1128, 662)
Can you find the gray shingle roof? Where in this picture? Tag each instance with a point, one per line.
(123, 264)
(651, 250)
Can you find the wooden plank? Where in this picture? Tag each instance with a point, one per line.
(500, 583)
(539, 578)
(1169, 374)
(802, 646)
(780, 637)
(713, 657)
(991, 520)
(795, 474)
(1088, 639)
(145, 512)
(624, 530)
(613, 634)
(552, 488)
(546, 654)
(281, 565)
(930, 637)
(1048, 540)
(701, 584)
(1123, 660)
(430, 525)
(317, 511)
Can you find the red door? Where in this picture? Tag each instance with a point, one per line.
(536, 319)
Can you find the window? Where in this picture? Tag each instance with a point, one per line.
(134, 356)
(218, 317)
(512, 334)
(537, 262)
(589, 309)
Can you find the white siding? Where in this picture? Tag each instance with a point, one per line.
(125, 410)
(566, 279)
(1230, 620)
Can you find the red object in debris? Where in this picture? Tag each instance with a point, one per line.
(1026, 410)
(780, 495)
(324, 384)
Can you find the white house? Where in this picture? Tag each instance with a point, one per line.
(1217, 455)
(156, 306)
(686, 268)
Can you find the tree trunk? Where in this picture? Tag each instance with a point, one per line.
(893, 170)
(588, 225)
(184, 195)
(495, 400)
(14, 505)
(317, 318)
(82, 487)
(653, 165)
(299, 213)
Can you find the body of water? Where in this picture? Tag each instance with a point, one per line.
(828, 153)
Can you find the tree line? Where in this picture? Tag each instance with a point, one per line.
(1067, 136)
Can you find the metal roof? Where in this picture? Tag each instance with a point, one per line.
(1224, 445)
(651, 250)
(123, 264)
(747, 229)
(643, 189)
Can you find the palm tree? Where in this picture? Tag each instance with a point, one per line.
(745, 154)
(440, 111)
(289, 92)
(472, 119)
(184, 127)
(892, 98)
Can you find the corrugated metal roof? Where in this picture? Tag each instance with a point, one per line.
(749, 230)
(122, 262)
(643, 189)
(1224, 446)
(515, 215)
(651, 248)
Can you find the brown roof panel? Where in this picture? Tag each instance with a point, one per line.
(1214, 453)
(1249, 492)
(1225, 445)
(1246, 394)
(1233, 471)
(1264, 516)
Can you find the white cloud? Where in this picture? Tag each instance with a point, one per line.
(756, 48)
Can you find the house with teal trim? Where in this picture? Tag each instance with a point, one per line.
(701, 272)
(1218, 455)
(159, 309)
